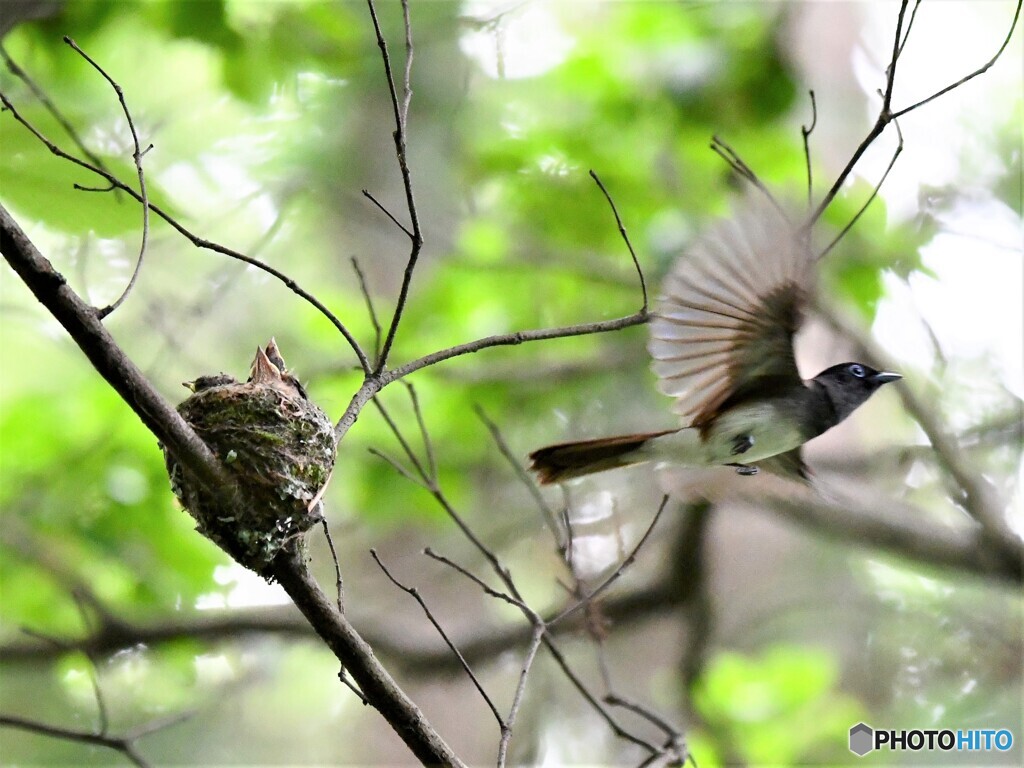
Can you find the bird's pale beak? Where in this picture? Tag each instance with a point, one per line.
(884, 377)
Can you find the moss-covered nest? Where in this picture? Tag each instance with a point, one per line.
(277, 443)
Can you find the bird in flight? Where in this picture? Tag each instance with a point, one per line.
(721, 339)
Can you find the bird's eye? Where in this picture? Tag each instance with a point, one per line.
(857, 370)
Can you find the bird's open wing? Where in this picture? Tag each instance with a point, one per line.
(729, 309)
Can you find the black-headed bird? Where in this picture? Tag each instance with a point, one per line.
(721, 339)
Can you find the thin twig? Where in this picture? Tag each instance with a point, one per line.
(505, 576)
(137, 153)
(415, 594)
(426, 479)
(352, 687)
(871, 198)
(512, 339)
(805, 132)
(197, 241)
(103, 724)
(876, 130)
(123, 745)
(407, 79)
(887, 114)
(400, 111)
(596, 704)
(371, 311)
(980, 71)
(625, 238)
(428, 447)
(488, 590)
(396, 466)
(614, 576)
(50, 107)
(547, 513)
(386, 212)
(910, 25)
(517, 700)
(735, 162)
(652, 717)
(337, 567)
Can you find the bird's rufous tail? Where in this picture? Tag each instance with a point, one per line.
(564, 461)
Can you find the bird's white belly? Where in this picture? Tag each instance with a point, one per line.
(770, 427)
(765, 423)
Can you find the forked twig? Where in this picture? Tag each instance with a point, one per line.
(744, 171)
(197, 241)
(137, 153)
(401, 112)
(50, 107)
(887, 114)
(614, 576)
(871, 198)
(415, 594)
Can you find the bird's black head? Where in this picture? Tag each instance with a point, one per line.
(849, 385)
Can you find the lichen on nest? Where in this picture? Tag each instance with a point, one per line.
(279, 446)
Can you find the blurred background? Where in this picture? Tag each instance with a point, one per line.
(763, 634)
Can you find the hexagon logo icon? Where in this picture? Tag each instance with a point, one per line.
(862, 739)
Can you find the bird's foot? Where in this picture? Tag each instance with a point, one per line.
(744, 469)
(742, 444)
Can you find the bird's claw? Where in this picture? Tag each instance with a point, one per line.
(745, 469)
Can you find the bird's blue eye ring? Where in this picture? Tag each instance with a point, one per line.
(857, 370)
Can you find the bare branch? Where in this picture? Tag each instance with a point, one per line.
(339, 584)
(103, 724)
(594, 702)
(137, 154)
(415, 594)
(400, 111)
(396, 466)
(51, 289)
(531, 653)
(477, 580)
(371, 311)
(625, 238)
(887, 114)
(512, 339)
(386, 212)
(744, 171)
(290, 569)
(426, 480)
(910, 25)
(630, 559)
(979, 71)
(50, 107)
(197, 241)
(871, 198)
(123, 745)
(428, 446)
(547, 514)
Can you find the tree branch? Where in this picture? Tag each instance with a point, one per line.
(82, 323)
(358, 659)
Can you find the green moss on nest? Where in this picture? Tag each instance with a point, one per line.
(280, 447)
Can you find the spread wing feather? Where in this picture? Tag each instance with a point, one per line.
(729, 310)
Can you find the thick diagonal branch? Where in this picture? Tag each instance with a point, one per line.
(82, 323)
